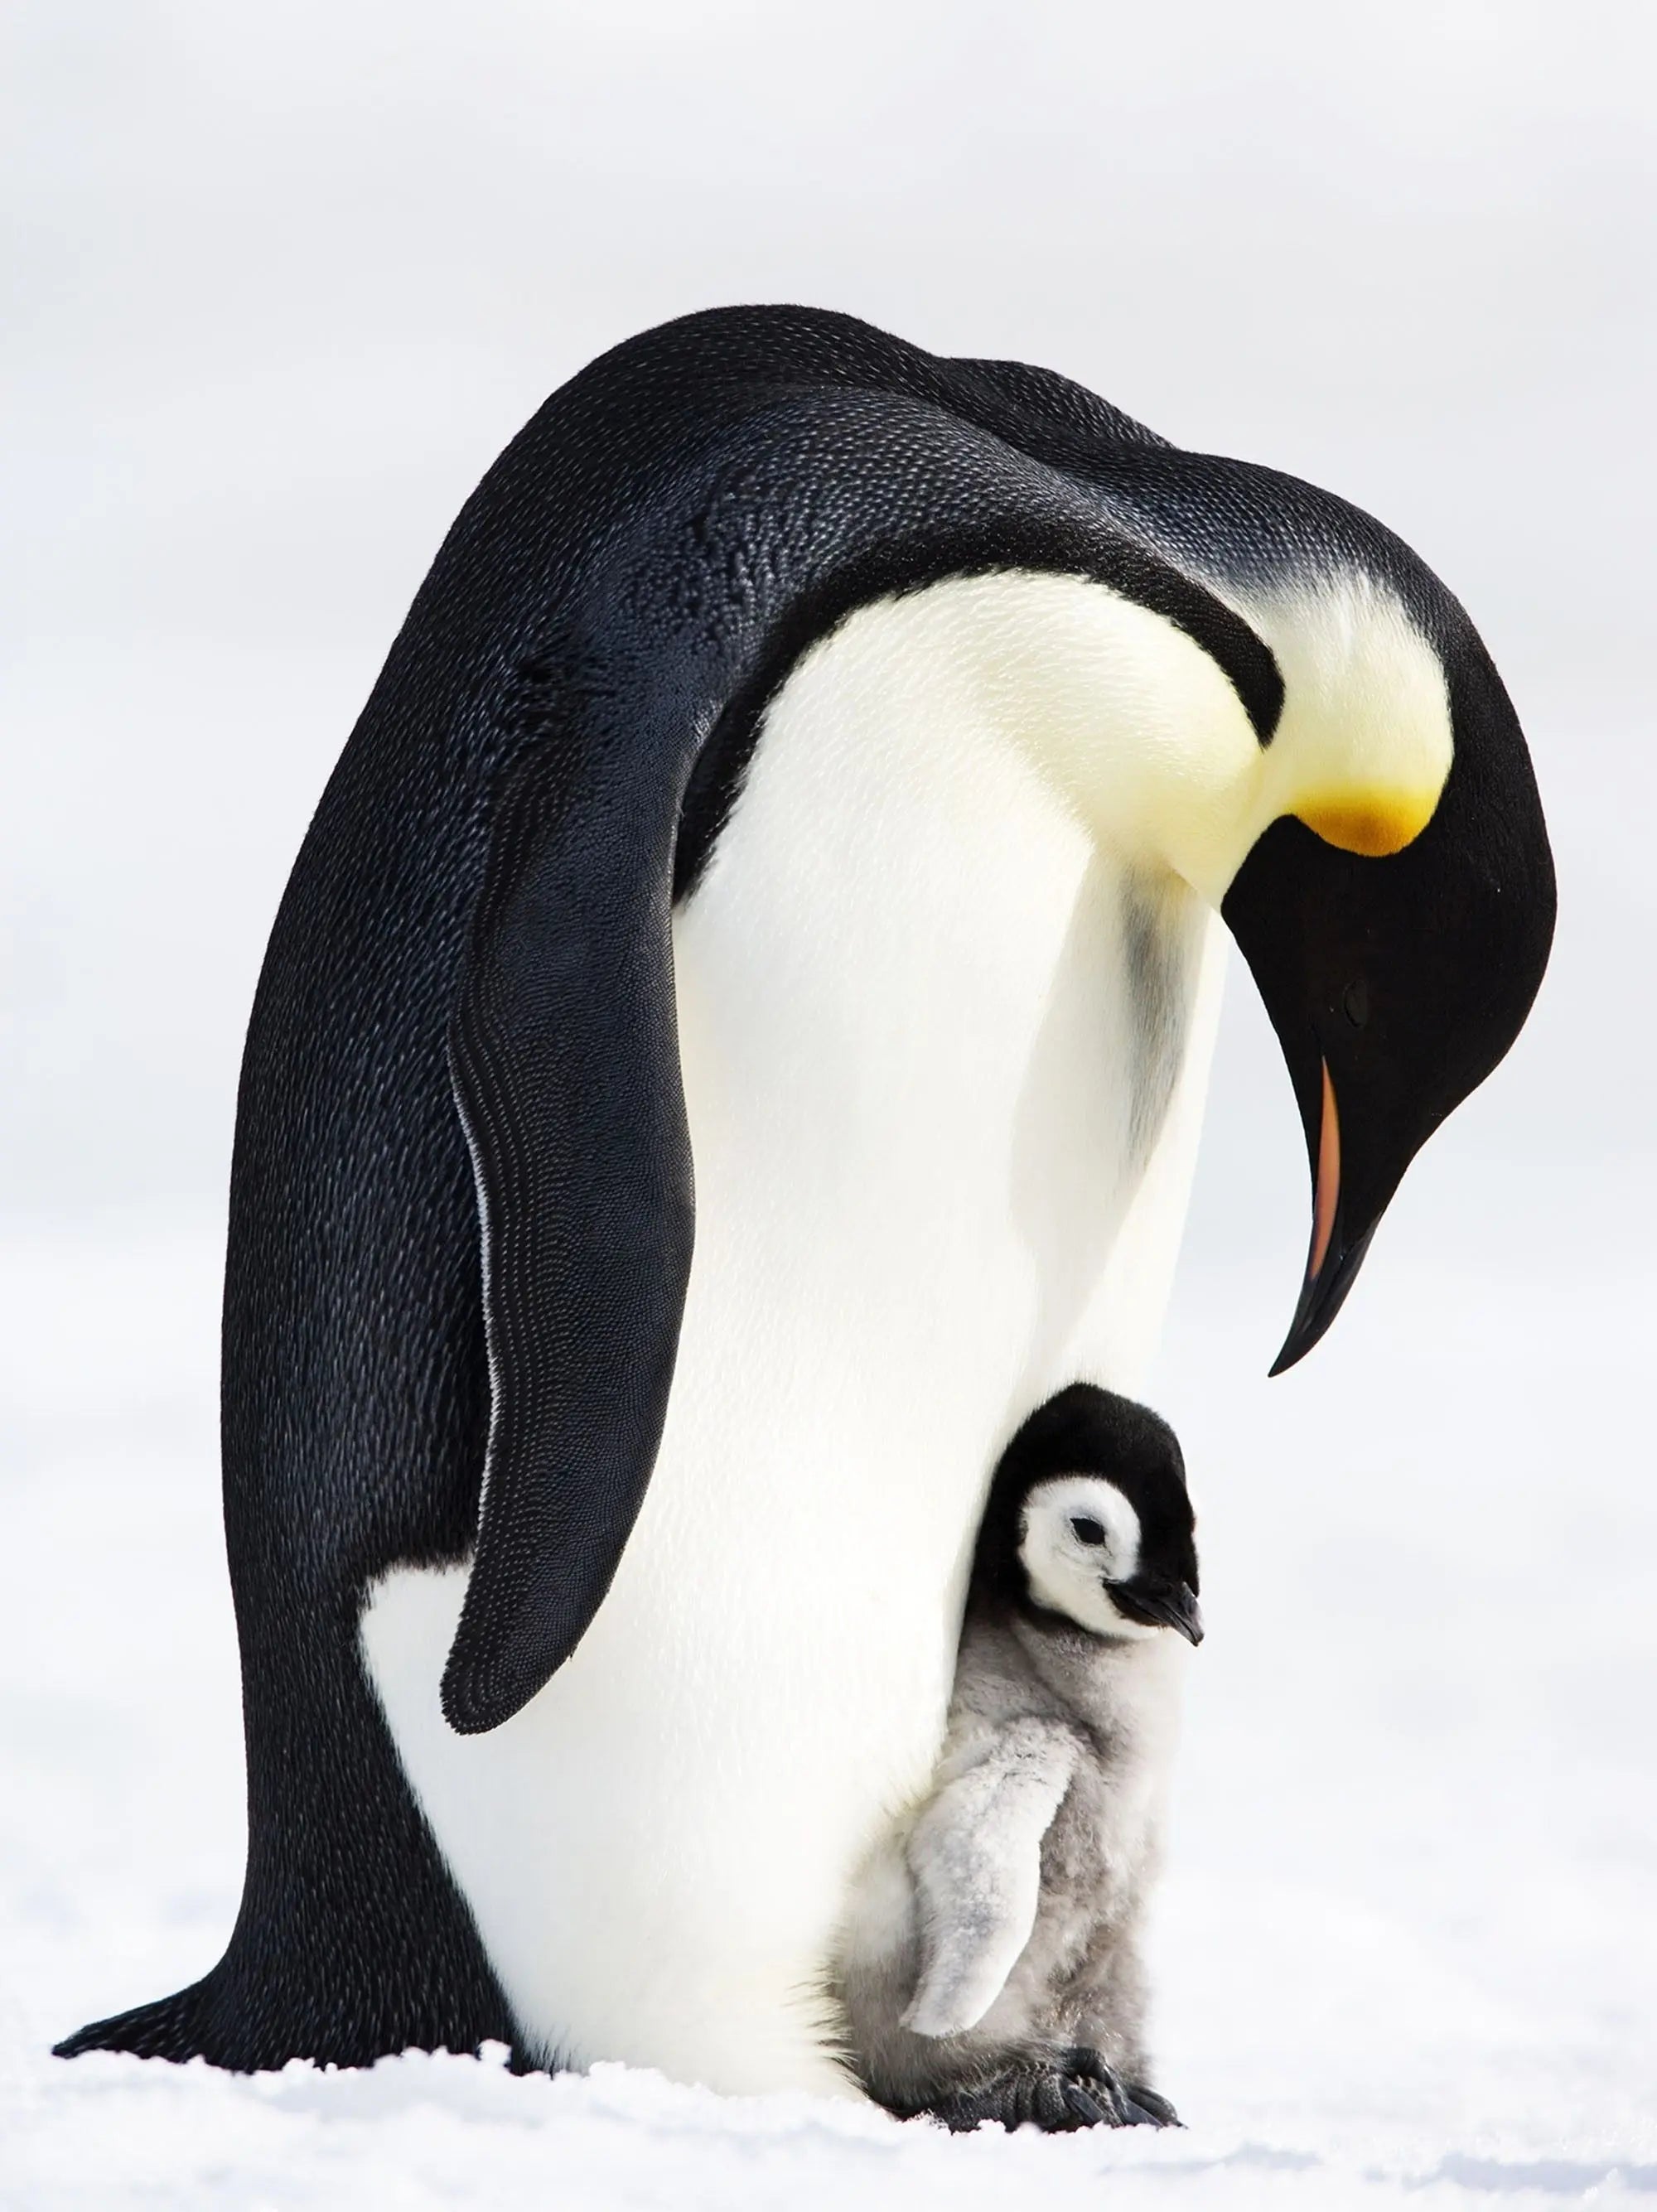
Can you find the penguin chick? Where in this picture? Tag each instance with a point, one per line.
(989, 1966)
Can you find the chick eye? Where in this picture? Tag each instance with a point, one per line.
(1090, 1530)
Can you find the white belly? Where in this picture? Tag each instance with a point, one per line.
(925, 1200)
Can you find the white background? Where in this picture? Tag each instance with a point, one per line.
(281, 282)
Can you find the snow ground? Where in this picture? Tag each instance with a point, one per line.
(1407, 1947)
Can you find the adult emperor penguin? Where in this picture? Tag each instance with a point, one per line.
(821, 763)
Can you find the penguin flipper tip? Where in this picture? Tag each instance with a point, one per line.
(491, 1676)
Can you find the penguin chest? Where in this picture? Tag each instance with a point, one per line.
(929, 1108)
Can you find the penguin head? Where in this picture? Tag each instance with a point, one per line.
(1084, 1554)
(1089, 1518)
(1397, 979)
(1382, 861)
(1398, 937)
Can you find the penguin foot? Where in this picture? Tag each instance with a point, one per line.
(1071, 2089)
(1154, 2111)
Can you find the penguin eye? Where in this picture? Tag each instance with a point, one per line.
(1357, 1003)
(1090, 1530)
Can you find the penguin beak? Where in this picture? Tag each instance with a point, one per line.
(1335, 1255)
(1157, 1604)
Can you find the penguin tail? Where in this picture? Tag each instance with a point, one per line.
(228, 2025)
(171, 2027)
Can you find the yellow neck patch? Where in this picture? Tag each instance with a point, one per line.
(1375, 825)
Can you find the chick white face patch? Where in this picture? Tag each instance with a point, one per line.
(1079, 1533)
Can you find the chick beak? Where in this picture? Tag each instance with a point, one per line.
(1158, 1604)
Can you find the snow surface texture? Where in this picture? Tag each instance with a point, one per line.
(1407, 1950)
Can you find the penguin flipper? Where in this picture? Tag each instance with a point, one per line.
(975, 1854)
(564, 1055)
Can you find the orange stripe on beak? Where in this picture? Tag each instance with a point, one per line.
(1327, 1194)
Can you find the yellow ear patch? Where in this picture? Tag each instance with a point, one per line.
(1374, 824)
